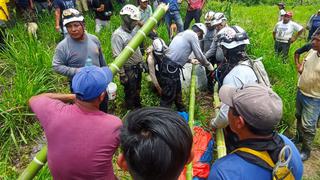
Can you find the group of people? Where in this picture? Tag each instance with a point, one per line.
(155, 142)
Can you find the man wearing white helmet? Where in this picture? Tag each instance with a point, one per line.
(77, 49)
(206, 44)
(155, 54)
(130, 73)
(235, 70)
(182, 45)
(219, 22)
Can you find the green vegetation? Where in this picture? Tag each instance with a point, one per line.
(25, 69)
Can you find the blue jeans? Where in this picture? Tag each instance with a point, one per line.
(307, 114)
(176, 17)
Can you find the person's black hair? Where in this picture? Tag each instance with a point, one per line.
(156, 143)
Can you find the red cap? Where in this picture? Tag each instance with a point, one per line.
(288, 14)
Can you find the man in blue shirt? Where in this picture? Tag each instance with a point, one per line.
(173, 14)
(60, 6)
(254, 112)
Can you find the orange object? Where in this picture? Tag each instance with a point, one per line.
(201, 139)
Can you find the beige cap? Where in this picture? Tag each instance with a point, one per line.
(258, 105)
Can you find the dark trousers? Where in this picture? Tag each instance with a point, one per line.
(171, 86)
(194, 14)
(132, 87)
(282, 49)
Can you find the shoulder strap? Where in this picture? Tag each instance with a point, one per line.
(235, 29)
(264, 155)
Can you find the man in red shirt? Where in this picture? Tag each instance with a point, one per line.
(81, 138)
(193, 12)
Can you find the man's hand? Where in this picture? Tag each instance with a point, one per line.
(140, 23)
(210, 67)
(58, 28)
(293, 39)
(123, 79)
(194, 61)
(299, 68)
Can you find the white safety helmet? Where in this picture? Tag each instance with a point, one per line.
(231, 37)
(159, 46)
(202, 27)
(209, 17)
(219, 18)
(71, 15)
(132, 11)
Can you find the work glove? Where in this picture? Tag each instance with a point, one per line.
(194, 61)
(123, 78)
(210, 67)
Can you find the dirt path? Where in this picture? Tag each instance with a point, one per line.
(312, 166)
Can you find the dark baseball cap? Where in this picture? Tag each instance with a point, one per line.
(90, 82)
(258, 105)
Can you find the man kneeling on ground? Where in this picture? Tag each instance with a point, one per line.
(254, 112)
(81, 138)
(156, 144)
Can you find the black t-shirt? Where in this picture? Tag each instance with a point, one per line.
(108, 8)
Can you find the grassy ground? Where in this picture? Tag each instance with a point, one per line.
(25, 69)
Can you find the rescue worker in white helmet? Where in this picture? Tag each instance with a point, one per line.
(206, 44)
(155, 53)
(219, 22)
(235, 69)
(182, 45)
(77, 49)
(131, 72)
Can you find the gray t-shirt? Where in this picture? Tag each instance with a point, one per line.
(182, 45)
(70, 55)
(207, 40)
(119, 41)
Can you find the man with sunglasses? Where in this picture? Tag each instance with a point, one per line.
(77, 49)
(308, 97)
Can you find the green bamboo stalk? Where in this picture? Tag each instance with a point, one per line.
(36, 164)
(221, 146)
(192, 100)
(33, 167)
(138, 38)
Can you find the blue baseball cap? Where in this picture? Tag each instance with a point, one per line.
(90, 82)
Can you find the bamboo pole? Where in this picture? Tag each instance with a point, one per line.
(33, 168)
(221, 146)
(138, 38)
(189, 173)
(36, 164)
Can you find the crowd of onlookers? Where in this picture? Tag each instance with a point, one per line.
(155, 142)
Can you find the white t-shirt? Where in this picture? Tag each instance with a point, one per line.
(285, 31)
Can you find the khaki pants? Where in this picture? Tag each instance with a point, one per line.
(82, 5)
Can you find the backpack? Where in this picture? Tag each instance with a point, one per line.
(280, 169)
(260, 72)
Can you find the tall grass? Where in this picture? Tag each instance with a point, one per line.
(25, 69)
